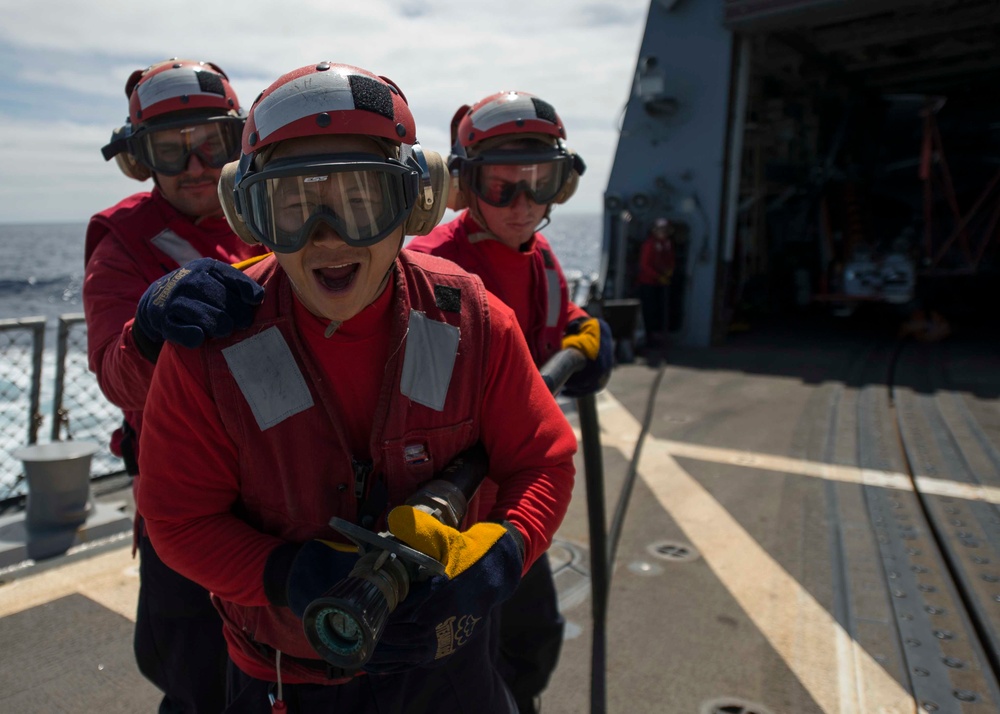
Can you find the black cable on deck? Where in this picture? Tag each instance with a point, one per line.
(602, 548)
(593, 467)
(633, 469)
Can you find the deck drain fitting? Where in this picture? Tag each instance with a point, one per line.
(674, 551)
(732, 705)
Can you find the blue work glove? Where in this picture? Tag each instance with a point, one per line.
(205, 298)
(298, 573)
(482, 569)
(592, 336)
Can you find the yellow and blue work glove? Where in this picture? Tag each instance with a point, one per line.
(295, 574)
(592, 336)
(439, 616)
(205, 298)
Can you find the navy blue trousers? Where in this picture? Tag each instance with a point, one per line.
(178, 643)
(655, 311)
(467, 682)
(531, 635)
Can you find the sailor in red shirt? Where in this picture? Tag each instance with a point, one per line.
(509, 155)
(656, 267)
(184, 125)
(366, 370)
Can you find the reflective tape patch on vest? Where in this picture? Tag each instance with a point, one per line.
(431, 348)
(268, 376)
(175, 246)
(555, 298)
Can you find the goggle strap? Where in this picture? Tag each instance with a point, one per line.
(242, 166)
(110, 151)
(412, 156)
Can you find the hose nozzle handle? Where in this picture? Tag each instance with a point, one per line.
(561, 366)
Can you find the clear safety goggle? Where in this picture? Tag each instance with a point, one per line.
(498, 178)
(362, 197)
(167, 148)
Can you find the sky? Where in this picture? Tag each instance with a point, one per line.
(64, 63)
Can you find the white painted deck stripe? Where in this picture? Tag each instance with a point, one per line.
(802, 467)
(785, 613)
(111, 579)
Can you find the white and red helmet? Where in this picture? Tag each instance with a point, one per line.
(504, 114)
(328, 98)
(512, 128)
(171, 96)
(178, 85)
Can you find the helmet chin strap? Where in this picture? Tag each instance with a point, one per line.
(331, 328)
(472, 200)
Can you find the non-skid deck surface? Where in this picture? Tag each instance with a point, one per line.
(778, 555)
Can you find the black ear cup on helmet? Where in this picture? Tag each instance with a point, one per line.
(227, 188)
(432, 194)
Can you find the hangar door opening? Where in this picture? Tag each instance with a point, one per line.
(870, 162)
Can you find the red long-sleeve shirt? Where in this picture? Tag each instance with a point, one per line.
(129, 246)
(656, 261)
(511, 275)
(193, 483)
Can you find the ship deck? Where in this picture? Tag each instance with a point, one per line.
(813, 527)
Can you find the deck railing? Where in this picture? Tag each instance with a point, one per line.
(35, 387)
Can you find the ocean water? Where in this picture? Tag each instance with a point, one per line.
(42, 276)
(42, 273)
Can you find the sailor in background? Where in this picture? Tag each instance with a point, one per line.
(366, 370)
(184, 123)
(510, 166)
(657, 260)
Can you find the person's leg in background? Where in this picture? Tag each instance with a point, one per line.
(531, 635)
(179, 645)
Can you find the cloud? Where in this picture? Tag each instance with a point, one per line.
(66, 64)
(55, 172)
